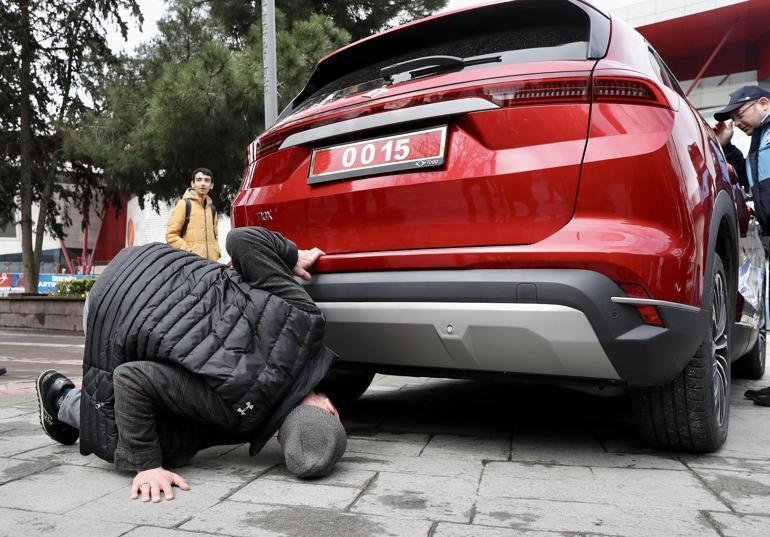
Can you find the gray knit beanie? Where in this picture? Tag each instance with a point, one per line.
(312, 441)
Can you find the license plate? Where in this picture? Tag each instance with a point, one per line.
(412, 151)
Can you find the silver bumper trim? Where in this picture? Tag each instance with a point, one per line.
(391, 117)
(651, 302)
(539, 339)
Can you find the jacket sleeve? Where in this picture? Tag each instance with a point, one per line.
(734, 156)
(266, 259)
(243, 243)
(174, 228)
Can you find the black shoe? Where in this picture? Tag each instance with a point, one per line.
(49, 386)
(3, 371)
(754, 393)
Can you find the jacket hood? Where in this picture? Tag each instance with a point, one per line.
(190, 194)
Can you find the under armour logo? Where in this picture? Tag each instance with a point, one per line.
(242, 411)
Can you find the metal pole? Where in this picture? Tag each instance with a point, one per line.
(269, 61)
(67, 256)
(711, 59)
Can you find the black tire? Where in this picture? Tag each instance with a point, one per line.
(345, 385)
(692, 413)
(752, 364)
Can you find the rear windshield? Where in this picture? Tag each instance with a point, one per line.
(518, 32)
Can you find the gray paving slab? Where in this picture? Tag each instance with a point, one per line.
(344, 475)
(592, 518)
(418, 439)
(16, 523)
(612, 486)
(419, 496)
(154, 531)
(716, 462)
(16, 441)
(596, 458)
(748, 438)
(446, 529)
(57, 453)
(24, 421)
(431, 466)
(61, 489)
(7, 413)
(437, 423)
(307, 494)
(233, 464)
(732, 525)
(386, 449)
(11, 469)
(117, 506)
(580, 447)
(467, 447)
(744, 492)
(253, 520)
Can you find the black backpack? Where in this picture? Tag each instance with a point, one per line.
(188, 208)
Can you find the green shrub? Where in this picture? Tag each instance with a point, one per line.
(74, 287)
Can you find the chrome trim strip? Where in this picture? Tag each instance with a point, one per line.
(651, 302)
(542, 339)
(391, 117)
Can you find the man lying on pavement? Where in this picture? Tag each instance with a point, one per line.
(183, 353)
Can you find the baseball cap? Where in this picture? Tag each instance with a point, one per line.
(738, 98)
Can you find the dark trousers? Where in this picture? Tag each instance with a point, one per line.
(165, 414)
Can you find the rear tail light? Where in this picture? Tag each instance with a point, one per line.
(627, 90)
(538, 91)
(615, 89)
(619, 88)
(264, 148)
(258, 149)
(649, 314)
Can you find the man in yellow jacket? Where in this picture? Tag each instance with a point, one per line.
(193, 223)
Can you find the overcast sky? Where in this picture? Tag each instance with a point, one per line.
(154, 9)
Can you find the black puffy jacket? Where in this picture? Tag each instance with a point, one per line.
(158, 303)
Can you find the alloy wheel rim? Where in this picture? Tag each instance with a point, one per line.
(719, 348)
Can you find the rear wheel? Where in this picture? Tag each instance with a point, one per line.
(752, 364)
(692, 412)
(345, 385)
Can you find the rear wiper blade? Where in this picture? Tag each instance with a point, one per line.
(427, 65)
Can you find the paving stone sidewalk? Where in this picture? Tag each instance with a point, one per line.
(426, 458)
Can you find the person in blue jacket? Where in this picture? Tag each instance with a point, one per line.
(749, 109)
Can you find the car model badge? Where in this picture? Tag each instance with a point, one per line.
(374, 93)
(264, 216)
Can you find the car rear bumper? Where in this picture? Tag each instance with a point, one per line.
(536, 322)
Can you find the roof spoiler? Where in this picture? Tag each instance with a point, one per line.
(338, 62)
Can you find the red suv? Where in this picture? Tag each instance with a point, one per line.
(519, 188)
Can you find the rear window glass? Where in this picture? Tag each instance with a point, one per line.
(517, 32)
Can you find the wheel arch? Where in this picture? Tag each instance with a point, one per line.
(723, 240)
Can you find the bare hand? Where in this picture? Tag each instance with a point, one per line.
(305, 259)
(724, 132)
(150, 483)
(321, 401)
